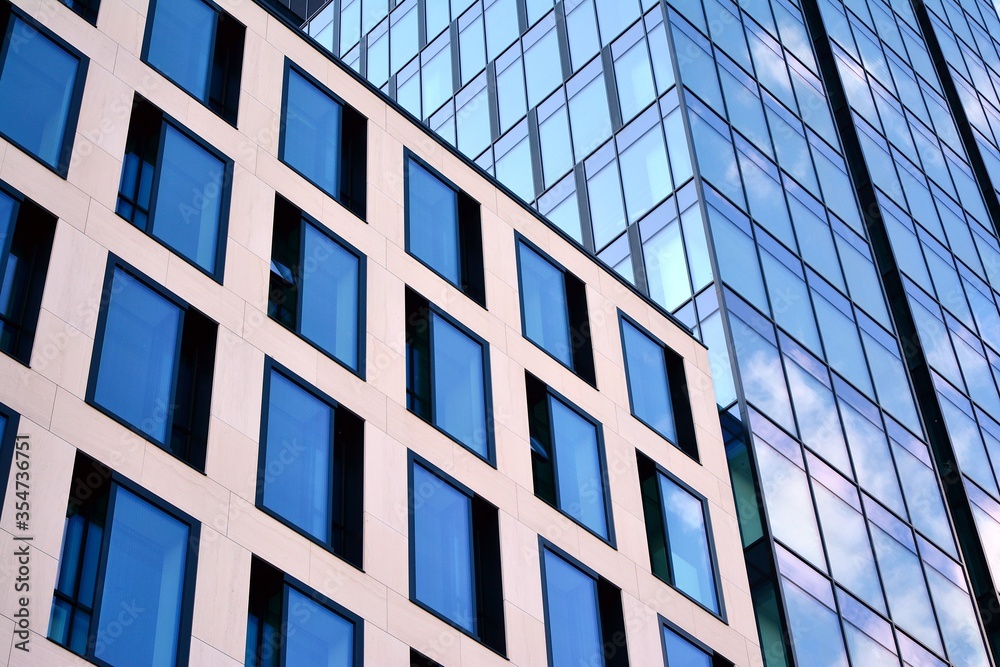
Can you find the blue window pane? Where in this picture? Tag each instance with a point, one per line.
(687, 539)
(816, 636)
(557, 152)
(649, 388)
(606, 211)
(589, 117)
(144, 583)
(181, 42)
(330, 292)
(501, 26)
(189, 199)
(682, 653)
(851, 559)
(573, 620)
(459, 386)
(872, 459)
(442, 549)
(666, 264)
(578, 468)
(543, 304)
(514, 170)
(635, 80)
(645, 175)
(315, 635)
(474, 124)
(614, 15)
(135, 379)
(312, 134)
(432, 216)
(37, 79)
(541, 65)
(581, 28)
(298, 457)
(957, 617)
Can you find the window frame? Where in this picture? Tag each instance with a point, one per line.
(361, 313)
(116, 481)
(413, 459)
(470, 232)
(61, 168)
(114, 262)
(677, 384)
(352, 549)
(582, 353)
(7, 447)
(356, 200)
(84, 9)
(553, 395)
(664, 623)
(646, 464)
(432, 309)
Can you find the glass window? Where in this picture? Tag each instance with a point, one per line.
(153, 365)
(554, 311)
(175, 188)
(443, 229)
(682, 653)
(85, 8)
(634, 79)
(567, 459)
(448, 376)
(645, 175)
(324, 140)
(589, 115)
(310, 464)
(317, 285)
(290, 624)
(501, 26)
(123, 556)
(43, 122)
(542, 66)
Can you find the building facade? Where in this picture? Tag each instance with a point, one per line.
(811, 187)
(286, 380)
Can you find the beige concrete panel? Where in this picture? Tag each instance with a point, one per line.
(104, 113)
(61, 353)
(350, 391)
(348, 586)
(97, 435)
(385, 458)
(263, 74)
(547, 521)
(526, 642)
(381, 648)
(386, 555)
(248, 276)
(251, 215)
(220, 600)
(75, 279)
(513, 457)
(204, 655)
(187, 488)
(128, 242)
(423, 631)
(41, 185)
(123, 24)
(238, 383)
(153, 86)
(26, 392)
(204, 294)
(284, 345)
(41, 573)
(281, 178)
(268, 538)
(642, 629)
(522, 578)
(232, 459)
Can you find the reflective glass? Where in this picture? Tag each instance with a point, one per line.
(459, 386)
(851, 559)
(573, 622)
(432, 219)
(501, 26)
(541, 67)
(607, 214)
(311, 137)
(872, 459)
(957, 617)
(589, 117)
(789, 504)
(581, 28)
(645, 175)
(181, 41)
(514, 170)
(315, 635)
(816, 637)
(579, 473)
(634, 79)
(666, 265)
(330, 295)
(557, 152)
(649, 387)
(687, 540)
(682, 653)
(543, 305)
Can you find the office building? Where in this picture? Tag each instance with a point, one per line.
(286, 380)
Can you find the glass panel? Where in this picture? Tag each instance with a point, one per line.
(687, 539)
(443, 566)
(645, 174)
(573, 626)
(541, 66)
(330, 292)
(789, 505)
(682, 653)
(851, 559)
(298, 459)
(181, 41)
(135, 380)
(36, 121)
(589, 117)
(543, 304)
(649, 388)
(666, 264)
(459, 386)
(432, 216)
(606, 212)
(312, 134)
(634, 79)
(578, 468)
(144, 583)
(816, 637)
(315, 635)
(958, 621)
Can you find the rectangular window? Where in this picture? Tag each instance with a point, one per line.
(288, 623)
(41, 84)
(85, 8)
(310, 468)
(584, 622)
(175, 188)
(554, 310)
(200, 48)
(26, 233)
(455, 555)
(125, 588)
(682, 651)
(317, 285)
(448, 376)
(154, 358)
(679, 535)
(567, 459)
(657, 388)
(443, 228)
(324, 140)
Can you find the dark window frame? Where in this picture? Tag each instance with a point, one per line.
(488, 586)
(196, 459)
(7, 14)
(553, 395)
(227, 109)
(7, 446)
(655, 522)
(349, 529)
(85, 9)
(411, 297)
(353, 157)
(225, 188)
(680, 398)
(664, 623)
(116, 480)
(362, 310)
(578, 314)
(470, 234)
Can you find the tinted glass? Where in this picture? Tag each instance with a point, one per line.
(816, 636)
(578, 468)
(330, 296)
(315, 635)
(443, 567)
(144, 583)
(544, 307)
(687, 539)
(135, 379)
(36, 83)
(573, 619)
(682, 653)
(298, 458)
(312, 126)
(189, 198)
(181, 41)
(459, 386)
(432, 215)
(648, 385)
